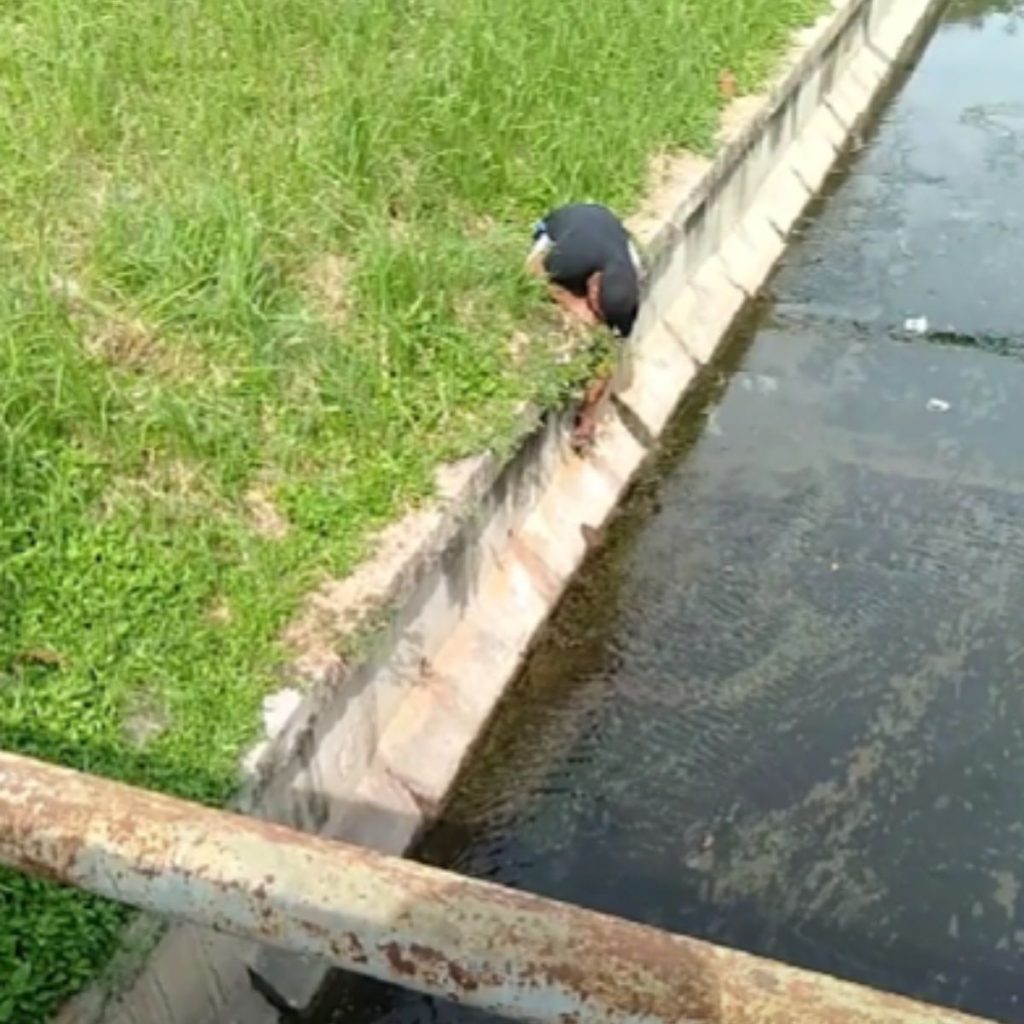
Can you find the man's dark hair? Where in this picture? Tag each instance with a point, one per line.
(619, 297)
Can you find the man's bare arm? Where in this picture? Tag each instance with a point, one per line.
(575, 305)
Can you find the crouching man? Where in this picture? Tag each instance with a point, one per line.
(592, 267)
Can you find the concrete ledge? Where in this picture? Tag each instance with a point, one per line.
(368, 752)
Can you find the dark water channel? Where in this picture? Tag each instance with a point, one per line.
(783, 708)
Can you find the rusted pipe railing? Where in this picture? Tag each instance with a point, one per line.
(472, 942)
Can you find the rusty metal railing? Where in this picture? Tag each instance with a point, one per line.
(482, 945)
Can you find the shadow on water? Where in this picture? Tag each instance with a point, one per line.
(783, 708)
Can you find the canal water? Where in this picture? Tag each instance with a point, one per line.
(783, 708)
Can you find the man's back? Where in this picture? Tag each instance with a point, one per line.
(586, 238)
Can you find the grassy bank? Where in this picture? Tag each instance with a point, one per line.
(259, 267)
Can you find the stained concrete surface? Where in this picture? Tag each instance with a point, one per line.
(784, 707)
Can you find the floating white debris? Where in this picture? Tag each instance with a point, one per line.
(916, 325)
(761, 383)
(938, 405)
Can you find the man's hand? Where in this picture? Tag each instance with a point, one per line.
(585, 433)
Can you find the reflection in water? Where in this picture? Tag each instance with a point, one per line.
(784, 708)
(977, 13)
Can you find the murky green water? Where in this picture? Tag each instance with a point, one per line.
(784, 707)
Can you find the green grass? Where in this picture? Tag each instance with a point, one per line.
(270, 244)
